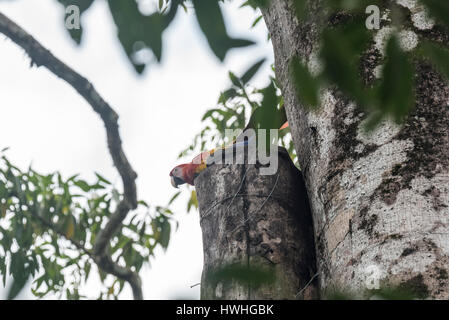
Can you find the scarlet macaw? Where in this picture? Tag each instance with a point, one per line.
(187, 172)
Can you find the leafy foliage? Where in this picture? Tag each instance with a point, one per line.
(238, 106)
(439, 56)
(341, 49)
(306, 85)
(252, 275)
(49, 224)
(235, 105)
(438, 9)
(138, 31)
(340, 53)
(396, 89)
(211, 22)
(392, 292)
(83, 5)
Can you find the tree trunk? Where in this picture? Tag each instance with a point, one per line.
(255, 220)
(380, 201)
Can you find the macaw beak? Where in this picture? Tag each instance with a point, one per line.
(175, 181)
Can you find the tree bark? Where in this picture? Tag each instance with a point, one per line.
(380, 201)
(256, 220)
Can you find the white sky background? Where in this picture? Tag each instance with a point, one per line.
(46, 123)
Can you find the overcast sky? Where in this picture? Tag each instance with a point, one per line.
(47, 124)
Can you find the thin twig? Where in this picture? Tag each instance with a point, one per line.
(208, 211)
(250, 215)
(239, 188)
(40, 56)
(308, 283)
(52, 227)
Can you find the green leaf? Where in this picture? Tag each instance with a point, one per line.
(256, 3)
(69, 227)
(256, 21)
(225, 96)
(438, 55)
(102, 179)
(267, 116)
(137, 31)
(307, 87)
(404, 291)
(193, 201)
(341, 52)
(438, 9)
(83, 5)
(143, 203)
(72, 178)
(102, 275)
(208, 114)
(3, 269)
(87, 268)
(300, 8)
(165, 234)
(211, 22)
(17, 286)
(3, 208)
(358, 6)
(373, 120)
(253, 275)
(83, 185)
(173, 198)
(234, 79)
(38, 282)
(396, 89)
(249, 74)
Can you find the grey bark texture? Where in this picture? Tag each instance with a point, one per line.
(380, 202)
(256, 220)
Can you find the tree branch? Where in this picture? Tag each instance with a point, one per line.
(52, 227)
(40, 56)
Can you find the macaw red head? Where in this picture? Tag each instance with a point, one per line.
(183, 173)
(187, 172)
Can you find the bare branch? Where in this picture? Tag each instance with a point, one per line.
(40, 56)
